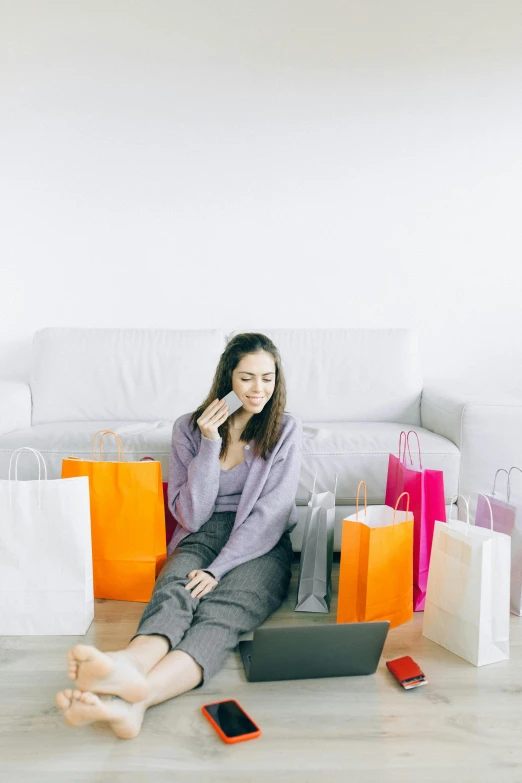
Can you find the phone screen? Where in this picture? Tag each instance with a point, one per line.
(231, 719)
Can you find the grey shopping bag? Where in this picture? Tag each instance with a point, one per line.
(314, 586)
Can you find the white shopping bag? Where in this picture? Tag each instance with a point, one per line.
(467, 599)
(46, 584)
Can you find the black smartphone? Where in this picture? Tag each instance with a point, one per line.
(231, 721)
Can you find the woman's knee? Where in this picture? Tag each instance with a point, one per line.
(238, 610)
(177, 568)
(268, 575)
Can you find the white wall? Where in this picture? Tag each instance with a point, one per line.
(246, 164)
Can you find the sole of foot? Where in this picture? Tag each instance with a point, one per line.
(113, 674)
(80, 708)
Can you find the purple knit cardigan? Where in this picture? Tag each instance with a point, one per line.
(267, 505)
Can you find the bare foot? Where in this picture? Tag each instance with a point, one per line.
(80, 708)
(117, 673)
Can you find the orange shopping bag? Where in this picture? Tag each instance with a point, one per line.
(376, 574)
(127, 520)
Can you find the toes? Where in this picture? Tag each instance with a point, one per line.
(72, 666)
(62, 700)
(81, 652)
(77, 695)
(89, 698)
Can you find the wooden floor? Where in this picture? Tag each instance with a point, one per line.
(466, 725)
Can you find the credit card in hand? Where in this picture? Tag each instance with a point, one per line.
(233, 402)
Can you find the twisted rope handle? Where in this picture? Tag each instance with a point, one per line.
(407, 505)
(40, 461)
(466, 501)
(418, 442)
(500, 470)
(513, 467)
(357, 501)
(121, 451)
(403, 458)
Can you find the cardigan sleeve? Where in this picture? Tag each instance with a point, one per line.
(268, 520)
(193, 479)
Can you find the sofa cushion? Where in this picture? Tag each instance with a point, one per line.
(354, 450)
(350, 374)
(359, 450)
(121, 374)
(64, 439)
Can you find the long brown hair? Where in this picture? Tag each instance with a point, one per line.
(264, 427)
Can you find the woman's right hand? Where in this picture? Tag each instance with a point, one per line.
(212, 418)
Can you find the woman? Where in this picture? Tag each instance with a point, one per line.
(232, 488)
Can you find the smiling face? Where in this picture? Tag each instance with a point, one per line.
(253, 380)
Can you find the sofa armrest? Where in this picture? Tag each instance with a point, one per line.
(15, 406)
(487, 429)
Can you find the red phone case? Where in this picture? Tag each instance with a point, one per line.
(231, 740)
(407, 672)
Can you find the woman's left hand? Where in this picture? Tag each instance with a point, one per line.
(201, 584)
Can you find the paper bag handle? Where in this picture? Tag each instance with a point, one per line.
(121, 452)
(500, 470)
(418, 443)
(466, 501)
(38, 457)
(41, 462)
(513, 467)
(357, 501)
(407, 505)
(403, 458)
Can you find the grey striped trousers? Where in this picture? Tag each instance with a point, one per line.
(208, 628)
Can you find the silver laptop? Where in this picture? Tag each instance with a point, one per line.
(305, 651)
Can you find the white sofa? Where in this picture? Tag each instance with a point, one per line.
(354, 390)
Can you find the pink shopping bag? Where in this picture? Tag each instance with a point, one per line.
(170, 521)
(505, 520)
(426, 491)
(503, 512)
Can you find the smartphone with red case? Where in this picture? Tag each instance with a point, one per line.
(407, 672)
(231, 721)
